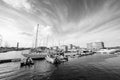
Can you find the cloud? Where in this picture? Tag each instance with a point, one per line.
(26, 33)
(18, 4)
(45, 31)
(10, 31)
(69, 20)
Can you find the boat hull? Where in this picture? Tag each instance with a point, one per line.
(35, 56)
(52, 60)
(24, 64)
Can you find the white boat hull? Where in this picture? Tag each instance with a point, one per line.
(35, 56)
(52, 60)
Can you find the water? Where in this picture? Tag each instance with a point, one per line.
(93, 67)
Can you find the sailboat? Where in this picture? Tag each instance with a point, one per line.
(36, 53)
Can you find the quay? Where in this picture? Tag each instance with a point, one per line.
(11, 56)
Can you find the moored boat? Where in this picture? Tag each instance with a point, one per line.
(55, 59)
(63, 58)
(52, 59)
(35, 53)
(26, 62)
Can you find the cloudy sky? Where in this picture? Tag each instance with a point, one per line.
(60, 21)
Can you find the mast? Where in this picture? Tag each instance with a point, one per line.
(36, 40)
(47, 42)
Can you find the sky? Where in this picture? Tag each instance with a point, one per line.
(60, 22)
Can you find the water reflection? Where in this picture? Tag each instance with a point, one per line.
(39, 70)
(94, 67)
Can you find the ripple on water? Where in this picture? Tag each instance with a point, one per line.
(95, 67)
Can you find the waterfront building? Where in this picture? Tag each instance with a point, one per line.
(17, 45)
(55, 47)
(70, 46)
(75, 47)
(95, 46)
(64, 48)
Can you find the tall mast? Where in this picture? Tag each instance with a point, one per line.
(36, 40)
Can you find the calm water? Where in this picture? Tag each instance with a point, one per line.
(94, 67)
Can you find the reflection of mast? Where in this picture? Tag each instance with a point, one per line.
(36, 36)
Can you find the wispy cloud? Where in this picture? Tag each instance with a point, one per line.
(26, 34)
(44, 31)
(18, 4)
(68, 20)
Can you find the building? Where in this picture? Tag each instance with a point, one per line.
(64, 48)
(95, 46)
(55, 47)
(70, 46)
(17, 45)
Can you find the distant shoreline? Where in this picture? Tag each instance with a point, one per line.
(7, 49)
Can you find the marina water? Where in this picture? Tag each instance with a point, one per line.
(92, 67)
